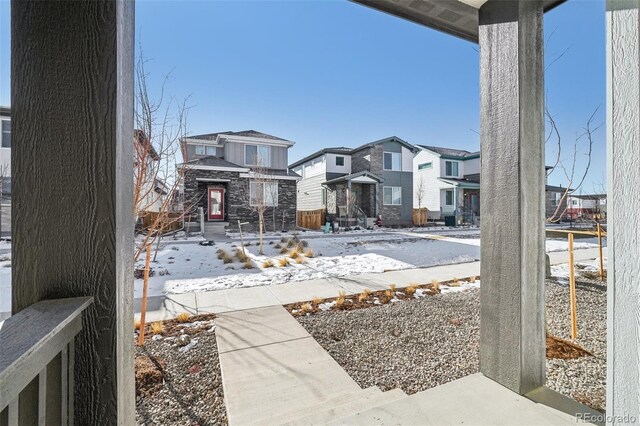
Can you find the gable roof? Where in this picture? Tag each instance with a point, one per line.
(389, 139)
(213, 161)
(245, 133)
(454, 154)
(334, 150)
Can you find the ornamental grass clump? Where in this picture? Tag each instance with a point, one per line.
(410, 290)
(308, 253)
(294, 253)
(283, 262)
(241, 255)
(300, 260)
(157, 327)
(183, 317)
(267, 263)
(435, 286)
(284, 250)
(248, 264)
(317, 300)
(362, 297)
(306, 308)
(341, 299)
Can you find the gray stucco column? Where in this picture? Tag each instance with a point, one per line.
(512, 332)
(72, 164)
(623, 209)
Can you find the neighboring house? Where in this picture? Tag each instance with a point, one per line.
(589, 207)
(450, 182)
(219, 174)
(364, 182)
(151, 190)
(5, 171)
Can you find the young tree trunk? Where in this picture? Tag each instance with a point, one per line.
(260, 227)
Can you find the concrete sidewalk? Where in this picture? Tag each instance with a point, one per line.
(169, 306)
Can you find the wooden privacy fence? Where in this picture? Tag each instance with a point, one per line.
(311, 219)
(171, 221)
(420, 216)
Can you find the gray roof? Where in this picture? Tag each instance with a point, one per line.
(213, 162)
(389, 139)
(452, 153)
(334, 150)
(247, 133)
(353, 176)
(5, 111)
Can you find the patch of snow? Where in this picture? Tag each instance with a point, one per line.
(326, 306)
(189, 346)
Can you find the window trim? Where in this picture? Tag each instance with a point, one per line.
(425, 166)
(452, 163)
(257, 145)
(341, 157)
(2, 122)
(453, 201)
(204, 150)
(399, 154)
(207, 148)
(392, 190)
(264, 193)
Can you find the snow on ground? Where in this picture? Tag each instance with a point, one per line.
(5, 279)
(192, 267)
(561, 272)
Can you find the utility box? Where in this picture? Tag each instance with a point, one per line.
(449, 221)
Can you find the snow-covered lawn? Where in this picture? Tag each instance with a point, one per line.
(192, 267)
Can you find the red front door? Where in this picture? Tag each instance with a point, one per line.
(216, 203)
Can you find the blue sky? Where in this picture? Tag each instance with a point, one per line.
(330, 73)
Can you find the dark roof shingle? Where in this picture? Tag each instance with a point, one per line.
(247, 133)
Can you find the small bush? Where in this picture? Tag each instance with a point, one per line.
(248, 264)
(435, 285)
(290, 243)
(283, 262)
(392, 287)
(308, 253)
(410, 290)
(303, 243)
(362, 297)
(242, 256)
(294, 253)
(342, 297)
(317, 300)
(299, 260)
(367, 292)
(183, 317)
(473, 279)
(222, 254)
(455, 283)
(226, 258)
(267, 263)
(283, 240)
(157, 327)
(306, 308)
(388, 294)
(277, 246)
(284, 250)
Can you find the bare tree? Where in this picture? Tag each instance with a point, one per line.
(272, 192)
(574, 175)
(260, 194)
(160, 125)
(421, 191)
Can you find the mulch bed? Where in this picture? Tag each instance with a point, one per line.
(178, 377)
(371, 298)
(558, 348)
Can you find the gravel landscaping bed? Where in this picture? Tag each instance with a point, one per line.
(175, 387)
(419, 344)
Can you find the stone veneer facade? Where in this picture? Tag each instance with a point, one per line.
(236, 199)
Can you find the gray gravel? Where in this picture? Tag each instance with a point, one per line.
(419, 344)
(192, 391)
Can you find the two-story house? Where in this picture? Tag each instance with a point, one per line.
(447, 182)
(228, 173)
(374, 179)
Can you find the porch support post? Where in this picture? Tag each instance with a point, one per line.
(623, 210)
(72, 106)
(512, 327)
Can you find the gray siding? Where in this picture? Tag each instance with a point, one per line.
(191, 153)
(234, 152)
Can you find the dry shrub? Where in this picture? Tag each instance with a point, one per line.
(317, 300)
(284, 250)
(593, 275)
(222, 254)
(362, 297)
(157, 327)
(290, 243)
(267, 263)
(277, 246)
(455, 283)
(241, 255)
(248, 264)
(306, 308)
(183, 317)
(283, 262)
(392, 287)
(367, 292)
(303, 243)
(308, 253)
(410, 290)
(136, 324)
(300, 260)
(388, 295)
(283, 240)
(342, 297)
(294, 253)
(473, 279)
(435, 285)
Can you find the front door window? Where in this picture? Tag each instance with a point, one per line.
(216, 203)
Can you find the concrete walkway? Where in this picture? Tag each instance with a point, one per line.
(169, 306)
(271, 366)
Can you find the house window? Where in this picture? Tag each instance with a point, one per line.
(266, 193)
(257, 155)
(392, 195)
(200, 150)
(6, 134)
(448, 197)
(211, 150)
(339, 161)
(392, 161)
(425, 166)
(451, 168)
